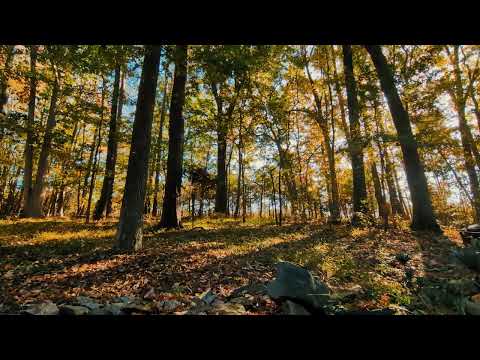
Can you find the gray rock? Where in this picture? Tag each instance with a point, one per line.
(196, 310)
(45, 308)
(472, 308)
(125, 299)
(168, 305)
(208, 296)
(299, 285)
(87, 302)
(110, 309)
(291, 308)
(73, 310)
(137, 308)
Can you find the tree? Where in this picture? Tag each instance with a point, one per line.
(109, 178)
(27, 187)
(171, 217)
(422, 211)
(130, 228)
(356, 143)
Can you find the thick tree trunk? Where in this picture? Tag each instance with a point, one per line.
(36, 204)
(423, 217)
(28, 170)
(171, 211)
(109, 178)
(356, 142)
(130, 227)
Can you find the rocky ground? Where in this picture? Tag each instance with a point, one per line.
(223, 267)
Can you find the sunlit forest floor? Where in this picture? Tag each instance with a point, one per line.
(59, 259)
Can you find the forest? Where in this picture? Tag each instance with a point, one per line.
(240, 179)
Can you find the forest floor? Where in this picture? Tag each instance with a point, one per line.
(59, 259)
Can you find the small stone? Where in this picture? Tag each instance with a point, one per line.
(198, 309)
(168, 305)
(150, 294)
(112, 309)
(472, 308)
(137, 308)
(124, 299)
(73, 310)
(45, 308)
(87, 302)
(208, 296)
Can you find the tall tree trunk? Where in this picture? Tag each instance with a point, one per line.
(109, 178)
(171, 211)
(221, 190)
(4, 77)
(36, 204)
(392, 191)
(274, 198)
(356, 142)
(130, 227)
(280, 197)
(95, 164)
(158, 147)
(28, 170)
(423, 217)
(382, 204)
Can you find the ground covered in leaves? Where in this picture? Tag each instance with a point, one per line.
(61, 259)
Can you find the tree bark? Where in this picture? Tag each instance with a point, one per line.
(130, 227)
(356, 142)
(109, 178)
(28, 170)
(171, 211)
(423, 217)
(158, 147)
(4, 77)
(36, 204)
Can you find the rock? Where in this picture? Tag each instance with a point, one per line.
(125, 299)
(110, 309)
(73, 310)
(472, 308)
(299, 285)
(252, 289)
(87, 302)
(150, 294)
(168, 305)
(45, 308)
(137, 308)
(196, 310)
(291, 308)
(228, 309)
(207, 296)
